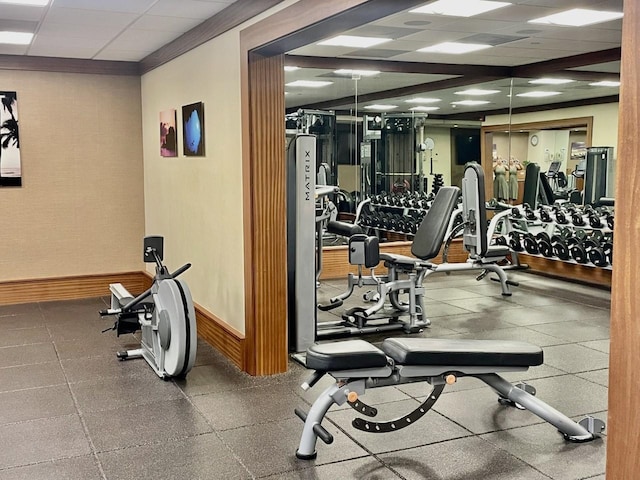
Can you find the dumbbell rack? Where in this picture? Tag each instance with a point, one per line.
(527, 227)
(411, 216)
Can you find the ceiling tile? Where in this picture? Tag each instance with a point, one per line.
(13, 49)
(66, 51)
(186, 8)
(20, 12)
(57, 41)
(121, 55)
(374, 53)
(147, 40)
(128, 6)
(18, 25)
(165, 24)
(71, 16)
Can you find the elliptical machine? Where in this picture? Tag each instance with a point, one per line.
(167, 322)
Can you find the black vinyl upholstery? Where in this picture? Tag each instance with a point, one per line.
(531, 185)
(351, 354)
(454, 352)
(430, 235)
(343, 229)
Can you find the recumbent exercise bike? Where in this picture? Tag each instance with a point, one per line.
(167, 322)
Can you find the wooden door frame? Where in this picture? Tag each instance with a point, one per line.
(264, 209)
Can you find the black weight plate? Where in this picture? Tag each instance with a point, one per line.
(544, 247)
(561, 250)
(579, 254)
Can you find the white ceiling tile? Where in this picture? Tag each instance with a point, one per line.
(104, 32)
(147, 40)
(56, 41)
(13, 49)
(130, 6)
(121, 55)
(20, 12)
(165, 24)
(73, 16)
(186, 8)
(67, 51)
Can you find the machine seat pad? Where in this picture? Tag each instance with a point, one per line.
(347, 355)
(454, 352)
(401, 260)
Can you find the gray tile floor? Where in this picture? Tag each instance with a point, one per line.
(71, 410)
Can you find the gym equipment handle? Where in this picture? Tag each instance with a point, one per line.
(312, 380)
(181, 270)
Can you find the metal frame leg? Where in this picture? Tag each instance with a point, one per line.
(502, 276)
(335, 393)
(572, 430)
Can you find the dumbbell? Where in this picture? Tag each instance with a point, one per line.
(515, 241)
(561, 217)
(609, 221)
(577, 219)
(515, 212)
(600, 254)
(530, 243)
(528, 213)
(560, 247)
(544, 215)
(544, 244)
(500, 241)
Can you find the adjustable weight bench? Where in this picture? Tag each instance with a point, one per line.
(357, 365)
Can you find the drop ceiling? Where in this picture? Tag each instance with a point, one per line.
(121, 30)
(515, 43)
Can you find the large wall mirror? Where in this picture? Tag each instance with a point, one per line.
(401, 104)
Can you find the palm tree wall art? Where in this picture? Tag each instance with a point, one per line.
(10, 167)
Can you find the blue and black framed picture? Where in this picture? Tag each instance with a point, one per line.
(193, 130)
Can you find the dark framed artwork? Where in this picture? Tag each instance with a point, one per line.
(168, 134)
(193, 130)
(10, 166)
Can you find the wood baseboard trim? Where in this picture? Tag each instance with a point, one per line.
(226, 339)
(214, 331)
(68, 288)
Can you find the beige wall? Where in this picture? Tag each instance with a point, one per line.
(196, 202)
(80, 209)
(605, 120)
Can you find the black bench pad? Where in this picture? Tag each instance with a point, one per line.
(348, 355)
(454, 352)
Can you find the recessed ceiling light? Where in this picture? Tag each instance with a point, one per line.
(460, 8)
(308, 83)
(353, 41)
(578, 17)
(34, 3)
(362, 73)
(477, 91)
(381, 107)
(291, 68)
(422, 108)
(551, 81)
(538, 94)
(470, 102)
(422, 100)
(605, 83)
(454, 48)
(16, 38)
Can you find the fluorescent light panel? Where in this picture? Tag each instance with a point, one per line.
(354, 41)
(578, 17)
(362, 73)
(422, 108)
(470, 102)
(16, 38)
(454, 48)
(459, 8)
(380, 107)
(551, 81)
(308, 83)
(605, 83)
(422, 100)
(477, 92)
(34, 3)
(291, 68)
(537, 94)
